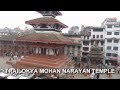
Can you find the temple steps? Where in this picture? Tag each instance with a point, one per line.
(43, 61)
(46, 57)
(39, 61)
(32, 64)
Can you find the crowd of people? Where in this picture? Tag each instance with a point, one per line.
(12, 56)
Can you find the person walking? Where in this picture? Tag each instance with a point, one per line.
(97, 75)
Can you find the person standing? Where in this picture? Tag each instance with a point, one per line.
(118, 69)
(92, 75)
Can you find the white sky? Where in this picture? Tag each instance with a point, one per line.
(12, 19)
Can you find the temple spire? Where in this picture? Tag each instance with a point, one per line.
(50, 13)
(47, 23)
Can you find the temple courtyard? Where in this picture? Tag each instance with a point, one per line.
(3, 65)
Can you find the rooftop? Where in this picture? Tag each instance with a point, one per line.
(45, 38)
(45, 20)
(95, 52)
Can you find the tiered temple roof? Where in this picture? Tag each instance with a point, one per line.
(58, 41)
(45, 38)
(95, 53)
(45, 20)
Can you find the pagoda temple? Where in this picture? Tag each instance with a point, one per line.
(95, 55)
(45, 48)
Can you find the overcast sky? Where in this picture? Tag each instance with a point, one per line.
(14, 19)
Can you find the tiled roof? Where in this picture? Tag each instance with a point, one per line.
(45, 20)
(72, 35)
(95, 52)
(44, 38)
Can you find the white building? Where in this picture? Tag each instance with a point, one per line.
(112, 40)
(91, 36)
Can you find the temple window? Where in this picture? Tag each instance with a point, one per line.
(43, 26)
(57, 27)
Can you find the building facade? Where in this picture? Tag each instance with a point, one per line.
(91, 36)
(112, 40)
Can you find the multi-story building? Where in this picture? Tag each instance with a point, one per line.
(112, 40)
(91, 36)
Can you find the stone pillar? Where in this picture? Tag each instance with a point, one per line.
(38, 49)
(48, 51)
